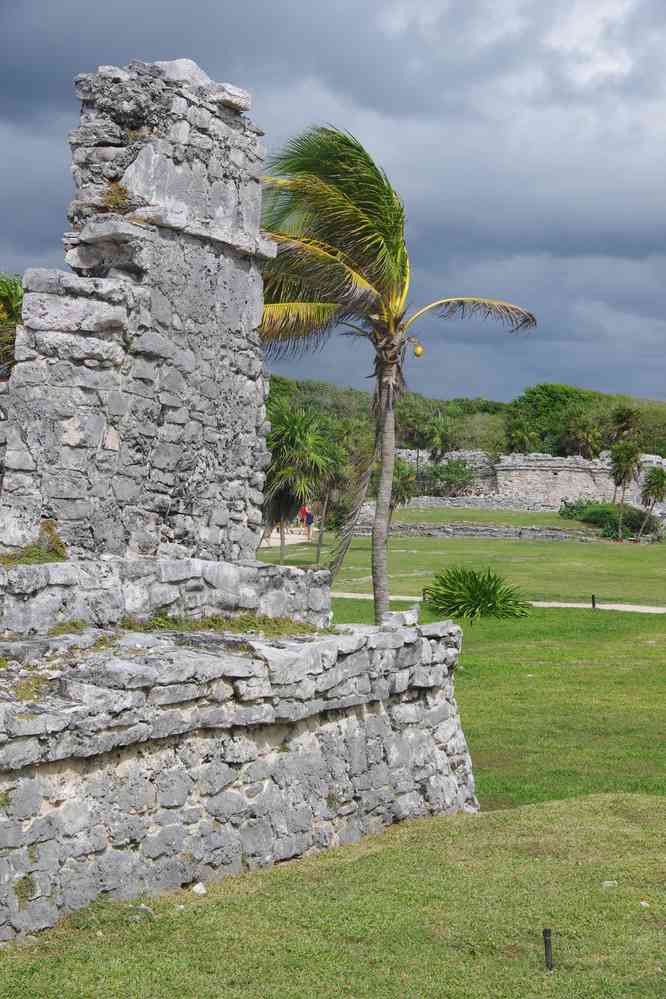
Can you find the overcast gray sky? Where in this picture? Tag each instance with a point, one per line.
(527, 138)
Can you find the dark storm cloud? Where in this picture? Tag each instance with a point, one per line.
(527, 139)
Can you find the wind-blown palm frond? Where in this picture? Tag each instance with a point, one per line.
(321, 266)
(487, 308)
(289, 328)
(326, 184)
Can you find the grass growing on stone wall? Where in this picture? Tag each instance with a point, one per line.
(268, 626)
(68, 627)
(545, 570)
(32, 688)
(116, 197)
(444, 908)
(49, 547)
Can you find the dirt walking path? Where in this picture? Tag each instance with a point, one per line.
(631, 608)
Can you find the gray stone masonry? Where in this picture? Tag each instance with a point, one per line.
(481, 531)
(145, 762)
(134, 416)
(35, 598)
(534, 481)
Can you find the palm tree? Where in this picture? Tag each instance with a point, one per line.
(335, 479)
(625, 466)
(652, 492)
(342, 263)
(439, 434)
(301, 457)
(11, 302)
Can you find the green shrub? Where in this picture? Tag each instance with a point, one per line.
(606, 517)
(452, 478)
(572, 509)
(471, 594)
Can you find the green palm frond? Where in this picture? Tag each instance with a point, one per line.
(322, 267)
(290, 327)
(508, 314)
(325, 185)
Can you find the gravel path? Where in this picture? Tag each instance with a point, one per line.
(631, 608)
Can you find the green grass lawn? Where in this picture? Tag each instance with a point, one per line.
(545, 570)
(450, 907)
(471, 515)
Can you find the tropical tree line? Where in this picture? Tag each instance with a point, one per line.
(553, 419)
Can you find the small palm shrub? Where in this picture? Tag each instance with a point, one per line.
(471, 594)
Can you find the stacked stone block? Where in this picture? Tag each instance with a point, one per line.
(134, 417)
(169, 759)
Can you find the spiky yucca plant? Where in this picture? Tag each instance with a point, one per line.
(11, 301)
(470, 594)
(342, 264)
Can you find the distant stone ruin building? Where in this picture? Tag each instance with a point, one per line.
(539, 480)
(135, 755)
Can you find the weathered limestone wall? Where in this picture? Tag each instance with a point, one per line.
(535, 481)
(134, 416)
(169, 759)
(36, 598)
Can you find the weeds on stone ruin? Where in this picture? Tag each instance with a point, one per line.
(32, 688)
(271, 627)
(49, 547)
(68, 628)
(24, 889)
(116, 197)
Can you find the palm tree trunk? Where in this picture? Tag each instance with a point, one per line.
(648, 511)
(383, 506)
(620, 516)
(283, 542)
(322, 522)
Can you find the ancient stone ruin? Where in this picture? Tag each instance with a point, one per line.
(539, 481)
(133, 427)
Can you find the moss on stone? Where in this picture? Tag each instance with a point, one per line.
(24, 889)
(67, 628)
(116, 197)
(5, 798)
(31, 688)
(270, 626)
(49, 547)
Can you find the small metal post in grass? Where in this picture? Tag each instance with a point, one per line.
(594, 602)
(548, 947)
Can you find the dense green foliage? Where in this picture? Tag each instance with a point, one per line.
(607, 517)
(470, 594)
(11, 301)
(554, 419)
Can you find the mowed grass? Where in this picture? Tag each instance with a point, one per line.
(548, 570)
(450, 907)
(472, 515)
(560, 704)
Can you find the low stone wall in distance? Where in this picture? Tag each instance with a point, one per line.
(143, 762)
(480, 531)
(100, 592)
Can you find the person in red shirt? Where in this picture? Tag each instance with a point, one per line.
(302, 516)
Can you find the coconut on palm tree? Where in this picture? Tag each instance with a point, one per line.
(342, 264)
(653, 491)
